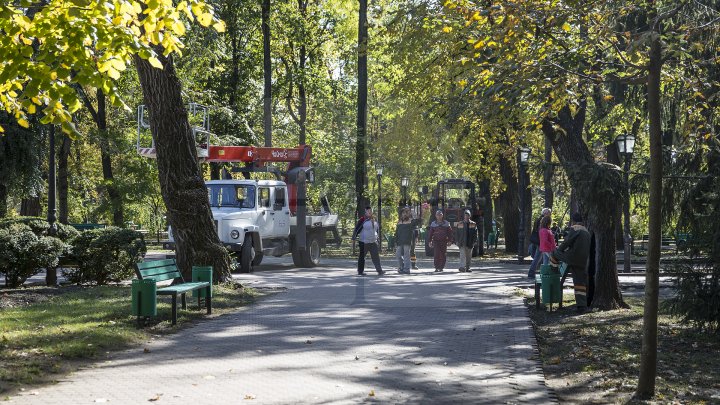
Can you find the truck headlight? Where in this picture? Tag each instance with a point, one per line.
(234, 234)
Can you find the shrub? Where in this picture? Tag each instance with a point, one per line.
(105, 255)
(697, 295)
(24, 254)
(40, 227)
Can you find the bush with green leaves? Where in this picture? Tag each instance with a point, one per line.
(24, 254)
(41, 227)
(105, 255)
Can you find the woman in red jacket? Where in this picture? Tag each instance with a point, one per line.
(440, 236)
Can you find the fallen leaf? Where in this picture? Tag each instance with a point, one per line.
(308, 341)
(372, 393)
(146, 350)
(249, 396)
(155, 398)
(356, 357)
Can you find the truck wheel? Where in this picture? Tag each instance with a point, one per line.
(312, 252)
(247, 255)
(297, 260)
(258, 259)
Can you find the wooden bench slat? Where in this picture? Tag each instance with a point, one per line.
(163, 277)
(156, 263)
(179, 288)
(160, 271)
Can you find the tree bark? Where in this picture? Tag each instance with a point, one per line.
(267, 72)
(648, 356)
(30, 207)
(508, 206)
(614, 157)
(181, 180)
(597, 187)
(63, 186)
(113, 193)
(3, 200)
(361, 123)
(548, 174)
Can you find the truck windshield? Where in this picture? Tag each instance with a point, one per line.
(232, 195)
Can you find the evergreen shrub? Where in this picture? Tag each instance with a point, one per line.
(105, 255)
(23, 253)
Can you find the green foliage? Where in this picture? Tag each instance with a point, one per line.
(105, 255)
(41, 227)
(23, 253)
(697, 296)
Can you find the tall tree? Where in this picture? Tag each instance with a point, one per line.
(361, 124)
(267, 72)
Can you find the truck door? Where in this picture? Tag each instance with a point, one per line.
(265, 214)
(281, 210)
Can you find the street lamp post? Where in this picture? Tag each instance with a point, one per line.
(626, 144)
(523, 153)
(404, 182)
(379, 168)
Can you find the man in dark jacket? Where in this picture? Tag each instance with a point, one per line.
(466, 237)
(575, 251)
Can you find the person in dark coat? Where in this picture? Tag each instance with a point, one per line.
(440, 235)
(575, 251)
(467, 236)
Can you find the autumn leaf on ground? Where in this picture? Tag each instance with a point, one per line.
(155, 398)
(372, 393)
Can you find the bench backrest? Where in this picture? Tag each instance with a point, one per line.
(160, 270)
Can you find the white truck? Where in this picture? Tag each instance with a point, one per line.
(255, 218)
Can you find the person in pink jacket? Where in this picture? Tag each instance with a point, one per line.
(547, 240)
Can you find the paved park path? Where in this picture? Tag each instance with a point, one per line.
(331, 337)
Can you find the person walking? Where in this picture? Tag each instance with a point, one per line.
(534, 247)
(366, 233)
(404, 234)
(547, 240)
(575, 251)
(467, 236)
(440, 236)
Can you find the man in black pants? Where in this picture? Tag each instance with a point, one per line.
(575, 251)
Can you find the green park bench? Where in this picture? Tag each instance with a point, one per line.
(87, 227)
(162, 270)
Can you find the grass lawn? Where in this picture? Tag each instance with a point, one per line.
(594, 358)
(47, 331)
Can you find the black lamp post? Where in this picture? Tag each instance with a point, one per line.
(379, 168)
(626, 145)
(404, 182)
(523, 153)
(51, 273)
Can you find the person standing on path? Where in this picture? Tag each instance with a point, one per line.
(534, 247)
(467, 236)
(440, 236)
(366, 232)
(404, 231)
(575, 251)
(547, 240)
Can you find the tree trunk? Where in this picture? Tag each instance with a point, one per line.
(488, 213)
(548, 174)
(30, 207)
(648, 356)
(3, 200)
(598, 188)
(267, 72)
(181, 180)
(361, 123)
(614, 157)
(63, 186)
(105, 158)
(508, 206)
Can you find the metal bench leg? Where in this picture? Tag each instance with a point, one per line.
(562, 282)
(208, 301)
(174, 309)
(184, 301)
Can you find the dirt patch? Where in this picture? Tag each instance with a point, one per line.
(594, 358)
